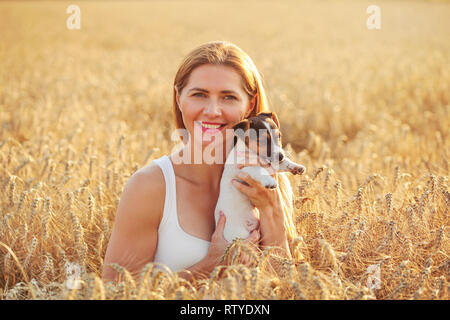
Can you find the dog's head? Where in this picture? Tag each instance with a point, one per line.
(262, 135)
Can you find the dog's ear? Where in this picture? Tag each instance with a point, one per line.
(271, 115)
(239, 131)
(244, 125)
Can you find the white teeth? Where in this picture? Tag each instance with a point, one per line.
(211, 126)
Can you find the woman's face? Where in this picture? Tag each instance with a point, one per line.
(212, 101)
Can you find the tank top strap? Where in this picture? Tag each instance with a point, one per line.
(170, 201)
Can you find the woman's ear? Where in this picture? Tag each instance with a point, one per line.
(177, 97)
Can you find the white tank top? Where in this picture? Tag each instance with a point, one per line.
(176, 249)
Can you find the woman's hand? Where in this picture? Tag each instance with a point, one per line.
(219, 244)
(259, 196)
(217, 248)
(268, 202)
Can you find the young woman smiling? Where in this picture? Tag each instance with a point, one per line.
(166, 211)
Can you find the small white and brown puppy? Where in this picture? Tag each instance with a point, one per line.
(259, 137)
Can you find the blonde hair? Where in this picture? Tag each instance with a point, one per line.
(228, 54)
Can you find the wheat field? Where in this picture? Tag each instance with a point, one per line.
(366, 111)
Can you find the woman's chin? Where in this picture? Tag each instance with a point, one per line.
(213, 140)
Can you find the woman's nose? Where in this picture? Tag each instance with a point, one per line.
(212, 108)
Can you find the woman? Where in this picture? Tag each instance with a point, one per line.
(166, 212)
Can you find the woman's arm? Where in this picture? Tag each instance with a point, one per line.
(200, 270)
(274, 233)
(219, 244)
(135, 233)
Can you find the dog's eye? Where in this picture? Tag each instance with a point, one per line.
(280, 157)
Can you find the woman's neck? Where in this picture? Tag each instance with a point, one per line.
(200, 170)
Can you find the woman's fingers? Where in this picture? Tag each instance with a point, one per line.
(252, 185)
(243, 165)
(266, 166)
(248, 190)
(246, 178)
(218, 241)
(218, 233)
(222, 219)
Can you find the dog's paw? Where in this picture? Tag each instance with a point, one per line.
(268, 182)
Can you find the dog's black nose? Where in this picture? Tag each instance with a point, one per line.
(299, 170)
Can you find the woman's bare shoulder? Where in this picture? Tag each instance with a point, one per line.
(144, 193)
(135, 231)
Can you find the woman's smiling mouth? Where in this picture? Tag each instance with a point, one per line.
(210, 127)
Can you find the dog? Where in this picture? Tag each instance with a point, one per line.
(259, 136)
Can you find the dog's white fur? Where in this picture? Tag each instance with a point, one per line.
(241, 216)
(239, 212)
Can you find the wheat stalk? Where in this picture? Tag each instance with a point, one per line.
(47, 217)
(31, 250)
(12, 186)
(99, 290)
(388, 197)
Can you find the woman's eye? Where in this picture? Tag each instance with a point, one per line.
(198, 94)
(230, 98)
